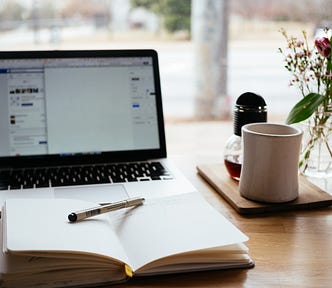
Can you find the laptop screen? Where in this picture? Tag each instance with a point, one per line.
(74, 104)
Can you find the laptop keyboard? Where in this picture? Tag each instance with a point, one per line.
(82, 175)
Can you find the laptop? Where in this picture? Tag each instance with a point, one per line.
(83, 124)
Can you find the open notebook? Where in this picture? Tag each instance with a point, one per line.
(83, 124)
(180, 233)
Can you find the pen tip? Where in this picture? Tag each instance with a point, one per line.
(72, 217)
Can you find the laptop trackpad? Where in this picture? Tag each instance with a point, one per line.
(98, 194)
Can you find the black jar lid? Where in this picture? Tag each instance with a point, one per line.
(249, 108)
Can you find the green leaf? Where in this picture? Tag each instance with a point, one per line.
(305, 108)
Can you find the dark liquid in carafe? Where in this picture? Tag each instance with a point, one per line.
(234, 169)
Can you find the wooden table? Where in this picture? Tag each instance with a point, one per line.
(290, 249)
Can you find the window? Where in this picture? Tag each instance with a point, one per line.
(251, 62)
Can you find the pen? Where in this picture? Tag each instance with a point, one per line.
(83, 214)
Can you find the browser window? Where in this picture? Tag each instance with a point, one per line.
(78, 105)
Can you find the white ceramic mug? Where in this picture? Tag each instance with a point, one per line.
(269, 170)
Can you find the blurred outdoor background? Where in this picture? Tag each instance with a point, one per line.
(210, 51)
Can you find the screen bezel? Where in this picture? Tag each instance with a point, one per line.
(102, 157)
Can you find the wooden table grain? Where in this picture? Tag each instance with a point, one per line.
(290, 249)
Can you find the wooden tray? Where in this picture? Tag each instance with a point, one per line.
(310, 196)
